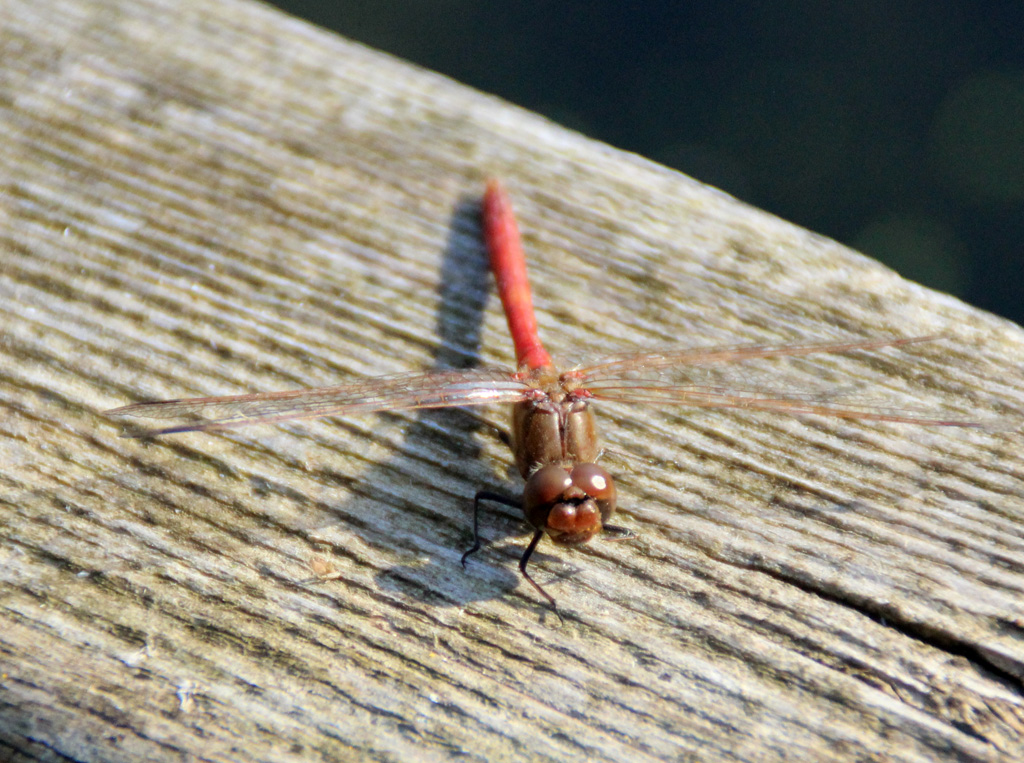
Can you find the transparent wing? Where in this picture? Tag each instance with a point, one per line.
(628, 362)
(438, 389)
(715, 377)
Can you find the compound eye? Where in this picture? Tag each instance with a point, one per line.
(598, 484)
(545, 487)
(594, 481)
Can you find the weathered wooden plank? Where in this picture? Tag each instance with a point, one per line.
(211, 198)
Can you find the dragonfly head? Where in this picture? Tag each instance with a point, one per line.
(570, 505)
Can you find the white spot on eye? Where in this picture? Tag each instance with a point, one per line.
(600, 482)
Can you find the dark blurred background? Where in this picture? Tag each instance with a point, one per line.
(894, 126)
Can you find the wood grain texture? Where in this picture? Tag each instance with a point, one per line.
(211, 198)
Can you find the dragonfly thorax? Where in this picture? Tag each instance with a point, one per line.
(560, 432)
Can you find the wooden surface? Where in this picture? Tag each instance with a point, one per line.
(210, 198)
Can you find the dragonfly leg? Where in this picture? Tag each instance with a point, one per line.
(485, 495)
(615, 532)
(522, 568)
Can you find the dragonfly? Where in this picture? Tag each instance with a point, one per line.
(567, 495)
